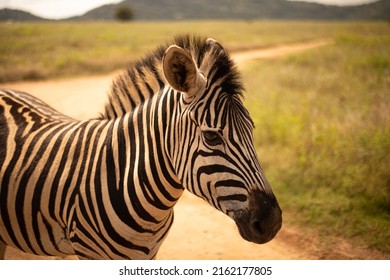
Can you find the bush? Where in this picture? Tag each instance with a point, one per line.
(124, 13)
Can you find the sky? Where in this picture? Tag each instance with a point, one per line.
(57, 9)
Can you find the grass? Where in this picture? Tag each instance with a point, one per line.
(30, 51)
(322, 117)
(323, 130)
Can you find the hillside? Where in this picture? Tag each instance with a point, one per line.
(239, 9)
(225, 9)
(17, 15)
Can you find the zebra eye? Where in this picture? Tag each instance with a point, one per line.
(212, 138)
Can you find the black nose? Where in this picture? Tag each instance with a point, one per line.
(262, 221)
(266, 220)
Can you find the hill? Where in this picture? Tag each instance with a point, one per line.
(225, 9)
(240, 9)
(17, 15)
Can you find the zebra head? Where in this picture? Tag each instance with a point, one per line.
(211, 143)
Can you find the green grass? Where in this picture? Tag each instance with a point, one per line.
(31, 51)
(323, 133)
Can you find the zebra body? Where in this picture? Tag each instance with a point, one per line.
(80, 179)
(105, 188)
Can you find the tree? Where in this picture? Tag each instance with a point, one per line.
(124, 13)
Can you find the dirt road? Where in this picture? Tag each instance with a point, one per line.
(199, 231)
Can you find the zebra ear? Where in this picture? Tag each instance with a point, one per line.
(181, 72)
(214, 43)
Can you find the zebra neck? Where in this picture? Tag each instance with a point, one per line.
(142, 170)
(130, 193)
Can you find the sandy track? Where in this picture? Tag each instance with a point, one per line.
(199, 231)
(283, 50)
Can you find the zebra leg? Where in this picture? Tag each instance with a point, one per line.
(3, 247)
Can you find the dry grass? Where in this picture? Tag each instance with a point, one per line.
(31, 51)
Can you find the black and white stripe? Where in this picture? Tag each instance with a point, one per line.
(105, 188)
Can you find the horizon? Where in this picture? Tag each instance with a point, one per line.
(62, 9)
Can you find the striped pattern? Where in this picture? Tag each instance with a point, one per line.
(105, 188)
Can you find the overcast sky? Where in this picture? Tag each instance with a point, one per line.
(56, 9)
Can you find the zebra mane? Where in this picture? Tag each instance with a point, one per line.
(145, 77)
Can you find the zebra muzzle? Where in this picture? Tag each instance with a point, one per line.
(262, 221)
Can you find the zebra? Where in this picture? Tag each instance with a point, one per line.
(105, 188)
